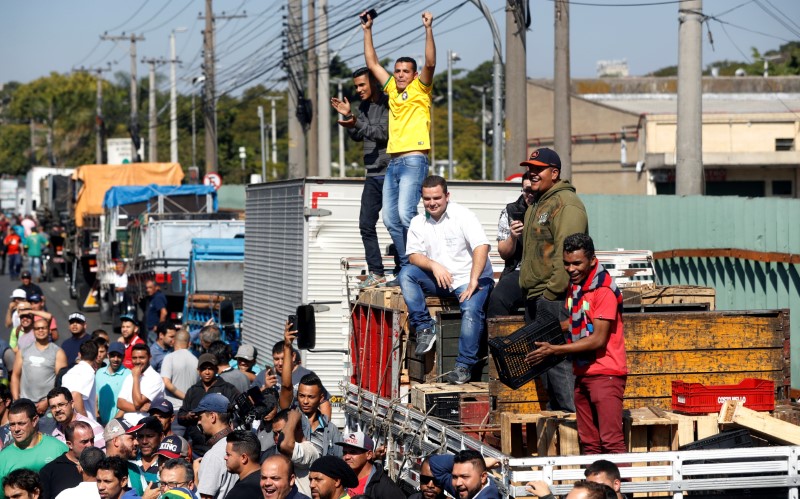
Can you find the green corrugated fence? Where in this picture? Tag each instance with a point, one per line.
(664, 223)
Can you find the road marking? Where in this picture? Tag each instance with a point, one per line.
(65, 303)
(53, 289)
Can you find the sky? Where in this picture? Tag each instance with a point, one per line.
(41, 36)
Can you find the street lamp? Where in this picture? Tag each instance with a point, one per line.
(242, 156)
(451, 58)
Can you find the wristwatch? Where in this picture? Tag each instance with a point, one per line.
(349, 117)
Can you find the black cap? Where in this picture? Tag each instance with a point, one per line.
(336, 468)
(543, 157)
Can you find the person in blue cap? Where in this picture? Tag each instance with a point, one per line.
(214, 419)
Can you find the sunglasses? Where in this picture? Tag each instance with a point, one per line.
(425, 479)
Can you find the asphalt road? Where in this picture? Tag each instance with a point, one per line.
(58, 303)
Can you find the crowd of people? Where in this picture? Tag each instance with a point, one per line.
(146, 416)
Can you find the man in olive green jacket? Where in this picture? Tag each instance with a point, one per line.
(557, 212)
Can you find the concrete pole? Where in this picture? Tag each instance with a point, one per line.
(173, 97)
(33, 142)
(562, 122)
(273, 127)
(342, 166)
(210, 104)
(263, 149)
(152, 119)
(296, 167)
(98, 124)
(134, 103)
(450, 56)
(689, 162)
(312, 134)
(324, 92)
(516, 137)
(482, 90)
(194, 134)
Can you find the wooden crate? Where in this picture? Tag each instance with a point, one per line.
(423, 394)
(712, 348)
(668, 295)
(525, 435)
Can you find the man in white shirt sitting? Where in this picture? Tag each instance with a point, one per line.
(449, 256)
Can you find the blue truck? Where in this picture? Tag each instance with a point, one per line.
(215, 286)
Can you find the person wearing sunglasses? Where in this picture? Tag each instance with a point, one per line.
(428, 487)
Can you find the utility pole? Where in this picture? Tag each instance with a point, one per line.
(516, 137)
(209, 94)
(451, 58)
(562, 121)
(342, 166)
(689, 164)
(482, 90)
(296, 167)
(134, 125)
(173, 96)
(33, 142)
(152, 136)
(273, 127)
(99, 126)
(323, 92)
(261, 136)
(312, 135)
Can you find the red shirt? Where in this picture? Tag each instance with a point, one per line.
(127, 361)
(610, 359)
(362, 485)
(12, 242)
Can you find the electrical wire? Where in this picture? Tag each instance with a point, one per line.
(641, 4)
(784, 15)
(733, 8)
(94, 49)
(188, 4)
(778, 19)
(115, 28)
(142, 25)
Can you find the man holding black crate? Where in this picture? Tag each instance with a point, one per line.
(555, 213)
(596, 343)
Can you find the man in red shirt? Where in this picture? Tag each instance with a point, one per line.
(13, 245)
(596, 343)
(129, 327)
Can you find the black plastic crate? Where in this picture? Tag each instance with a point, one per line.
(509, 351)
(448, 406)
(734, 439)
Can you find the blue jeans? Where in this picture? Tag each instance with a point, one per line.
(417, 283)
(402, 190)
(371, 202)
(14, 265)
(36, 267)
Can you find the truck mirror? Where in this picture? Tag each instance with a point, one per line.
(226, 310)
(306, 328)
(176, 282)
(114, 250)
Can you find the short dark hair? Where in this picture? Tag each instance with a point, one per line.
(100, 342)
(311, 379)
(115, 464)
(278, 348)
(23, 479)
(163, 326)
(178, 462)
(360, 72)
(435, 181)
(89, 351)
(471, 456)
(89, 459)
(595, 490)
(579, 241)
(602, 466)
(408, 59)
(244, 442)
(97, 332)
(222, 351)
(141, 346)
(61, 390)
(23, 406)
(5, 392)
(69, 431)
(282, 415)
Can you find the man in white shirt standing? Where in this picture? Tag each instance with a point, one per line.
(87, 467)
(80, 381)
(449, 256)
(140, 388)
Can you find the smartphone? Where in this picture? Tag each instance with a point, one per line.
(372, 13)
(293, 322)
(519, 216)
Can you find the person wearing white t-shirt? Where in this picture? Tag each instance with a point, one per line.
(87, 489)
(448, 252)
(140, 388)
(80, 381)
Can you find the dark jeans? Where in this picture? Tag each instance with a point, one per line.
(371, 203)
(507, 296)
(559, 380)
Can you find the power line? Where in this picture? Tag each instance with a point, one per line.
(162, 9)
(778, 19)
(188, 4)
(643, 4)
(732, 9)
(130, 18)
(784, 15)
(90, 53)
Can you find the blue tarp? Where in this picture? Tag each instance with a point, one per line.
(129, 194)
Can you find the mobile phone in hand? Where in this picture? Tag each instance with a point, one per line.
(293, 321)
(372, 13)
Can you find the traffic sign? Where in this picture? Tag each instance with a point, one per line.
(212, 179)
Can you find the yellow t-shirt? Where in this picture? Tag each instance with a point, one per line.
(409, 116)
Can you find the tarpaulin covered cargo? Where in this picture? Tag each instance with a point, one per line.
(97, 179)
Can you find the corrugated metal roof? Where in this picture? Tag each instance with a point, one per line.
(712, 103)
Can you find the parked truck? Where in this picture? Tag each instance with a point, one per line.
(88, 187)
(215, 286)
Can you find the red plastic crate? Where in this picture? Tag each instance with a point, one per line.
(696, 398)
